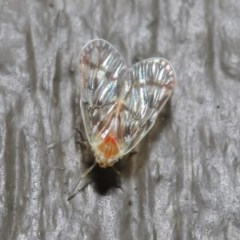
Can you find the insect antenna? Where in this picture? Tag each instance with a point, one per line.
(116, 171)
(76, 189)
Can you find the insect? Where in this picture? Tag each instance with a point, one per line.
(120, 104)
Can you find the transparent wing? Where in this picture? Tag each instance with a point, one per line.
(101, 67)
(117, 103)
(152, 82)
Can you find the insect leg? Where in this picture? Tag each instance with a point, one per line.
(82, 142)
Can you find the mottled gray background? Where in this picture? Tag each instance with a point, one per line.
(184, 182)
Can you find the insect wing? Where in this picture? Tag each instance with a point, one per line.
(123, 102)
(152, 83)
(101, 67)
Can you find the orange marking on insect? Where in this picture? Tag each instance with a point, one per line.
(109, 147)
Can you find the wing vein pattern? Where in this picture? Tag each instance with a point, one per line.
(121, 101)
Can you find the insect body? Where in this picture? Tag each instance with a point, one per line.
(120, 104)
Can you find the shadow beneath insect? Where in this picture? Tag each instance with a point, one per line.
(105, 180)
